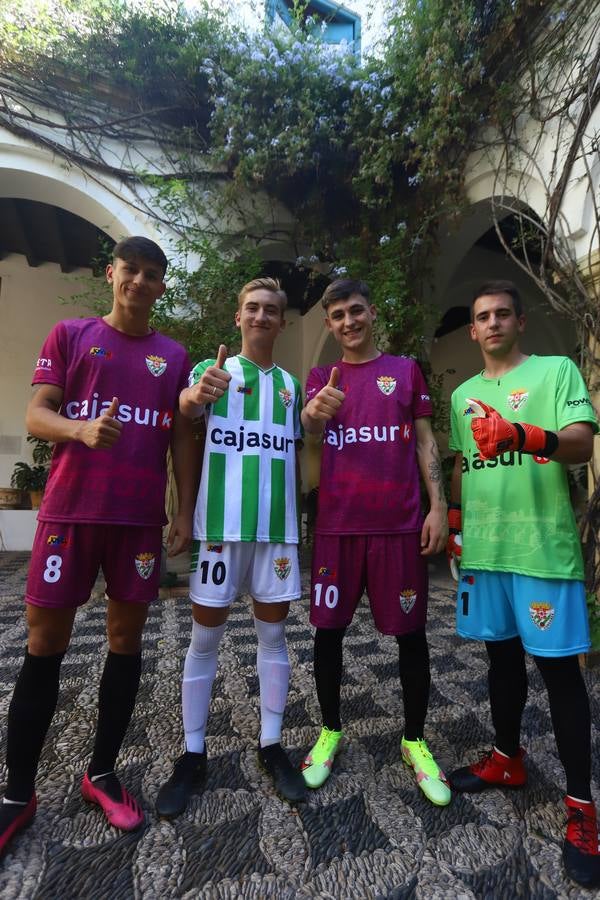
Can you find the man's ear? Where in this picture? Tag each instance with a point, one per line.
(109, 273)
(237, 318)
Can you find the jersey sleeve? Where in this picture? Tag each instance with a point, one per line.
(315, 381)
(456, 427)
(298, 429)
(198, 371)
(421, 401)
(573, 402)
(51, 367)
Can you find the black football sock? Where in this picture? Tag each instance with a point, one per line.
(570, 712)
(328, 662)
(116, 700)
(29, 716)
(415, 678)
(507, 683)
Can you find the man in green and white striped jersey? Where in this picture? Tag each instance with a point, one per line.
(245, 530)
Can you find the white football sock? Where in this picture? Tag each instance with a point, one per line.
(273, 668)
(198, 676)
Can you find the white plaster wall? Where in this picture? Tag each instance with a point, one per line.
(29, 307)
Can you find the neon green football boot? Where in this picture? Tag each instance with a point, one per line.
(430, 777)
(316, 767)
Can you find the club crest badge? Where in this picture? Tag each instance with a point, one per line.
(144, 563)
(541, 614)
(156, 365)
(386, 384)
(517, 399)
(286, 397)
(282, 566)
(407, 599)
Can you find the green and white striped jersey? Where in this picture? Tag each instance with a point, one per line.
(248, 485)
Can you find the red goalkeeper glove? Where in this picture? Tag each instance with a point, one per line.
(454, 544)
(495, 435)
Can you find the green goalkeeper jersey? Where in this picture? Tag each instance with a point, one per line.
(516, 510)
(248, 485)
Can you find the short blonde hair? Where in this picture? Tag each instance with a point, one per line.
(264, 284)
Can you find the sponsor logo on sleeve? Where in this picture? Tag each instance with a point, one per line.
(407, 599)
(583, 401)
(144, 563)
(156, 365)
(282, 566)
(517, 399)
(286, 397)
(386, 384)
(541, 614)
(44, 363)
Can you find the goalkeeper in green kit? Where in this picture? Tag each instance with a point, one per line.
(515, 427)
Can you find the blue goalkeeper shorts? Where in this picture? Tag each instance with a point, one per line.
(548, 614)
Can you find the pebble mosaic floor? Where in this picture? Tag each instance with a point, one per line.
(367, 833)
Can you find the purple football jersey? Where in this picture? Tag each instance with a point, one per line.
(93, 362)
(369, 474)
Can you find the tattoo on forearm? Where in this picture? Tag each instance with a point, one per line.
(435, 470)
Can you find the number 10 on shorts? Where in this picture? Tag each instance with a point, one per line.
(330, 598)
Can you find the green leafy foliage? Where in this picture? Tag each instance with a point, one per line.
(368, 158)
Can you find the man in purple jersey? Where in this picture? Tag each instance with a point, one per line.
(373, 410)
(106, 394)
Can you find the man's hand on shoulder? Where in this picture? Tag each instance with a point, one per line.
(323, 405)
(103, 432)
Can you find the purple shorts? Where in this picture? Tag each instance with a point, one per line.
(66, 558)
(388, 566)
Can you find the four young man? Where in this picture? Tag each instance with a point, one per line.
(521, 576)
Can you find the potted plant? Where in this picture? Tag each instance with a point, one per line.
(32, 479)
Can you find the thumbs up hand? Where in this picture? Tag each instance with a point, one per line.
(103, 432)
(213, 383)
(326, 403)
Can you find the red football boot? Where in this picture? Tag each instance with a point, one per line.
(13, 819)
(581, 855)
(492, 770)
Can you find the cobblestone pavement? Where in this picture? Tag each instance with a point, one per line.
(367, 833)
